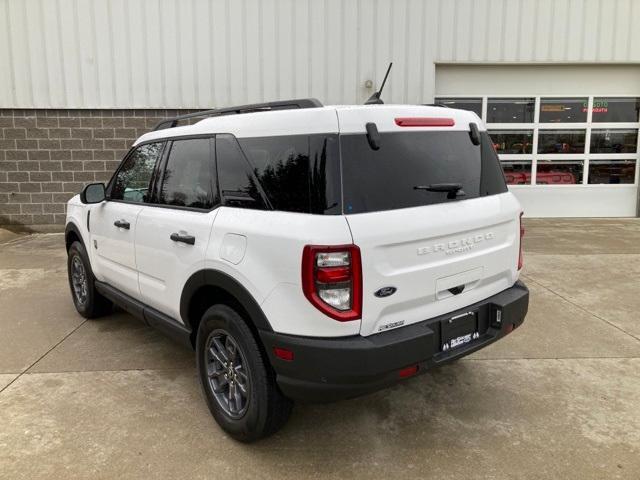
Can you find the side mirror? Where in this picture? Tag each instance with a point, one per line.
(93, 193)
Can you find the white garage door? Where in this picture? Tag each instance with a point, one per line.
(567, 136)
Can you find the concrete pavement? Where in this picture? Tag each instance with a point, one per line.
(559, 398)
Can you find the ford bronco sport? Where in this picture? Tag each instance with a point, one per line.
(305, 252)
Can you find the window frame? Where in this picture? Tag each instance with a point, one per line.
(154, 174)
(537, 126)
(159, 168)
(265, 199)
(163, 165)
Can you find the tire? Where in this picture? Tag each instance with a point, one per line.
(262, 410)
(88, 302)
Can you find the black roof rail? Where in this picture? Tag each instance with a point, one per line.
(254, 107)
(435, 105)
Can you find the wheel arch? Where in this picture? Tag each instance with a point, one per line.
(209, 287)
(72, 234)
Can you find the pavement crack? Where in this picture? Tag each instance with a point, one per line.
(42, 356)
(529, 278)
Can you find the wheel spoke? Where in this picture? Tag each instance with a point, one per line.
(242, 389)
(219, 384)
(222, 352)
(240, 373)
(213, 372)
(216, 355)
(237, 396)
(231, 348)
(233, 407)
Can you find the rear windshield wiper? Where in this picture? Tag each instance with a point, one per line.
(452, 190)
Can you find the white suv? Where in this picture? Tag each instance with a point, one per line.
(306, 252)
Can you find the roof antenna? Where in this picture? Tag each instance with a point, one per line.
(375, 98)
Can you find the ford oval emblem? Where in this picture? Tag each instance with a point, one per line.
(385, 292)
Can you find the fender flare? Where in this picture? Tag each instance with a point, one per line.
(216, 278)
(72, 227)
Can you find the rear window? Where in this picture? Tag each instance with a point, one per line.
(384, 179)
(298, 173)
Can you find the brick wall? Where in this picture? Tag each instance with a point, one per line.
(47, 156)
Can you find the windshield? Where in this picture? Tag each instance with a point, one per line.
(434, 162)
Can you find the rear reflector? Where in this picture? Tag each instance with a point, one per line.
(520, 255)
(283, 354)
(409, 371)
(424, 122)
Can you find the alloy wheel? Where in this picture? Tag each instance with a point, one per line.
(79, 280)
(227, 373)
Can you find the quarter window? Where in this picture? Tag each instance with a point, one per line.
(188, 180)
(238, 184)
(299, 173)
(132, 182)
(281, 164)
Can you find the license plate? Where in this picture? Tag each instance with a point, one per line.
(458, 331)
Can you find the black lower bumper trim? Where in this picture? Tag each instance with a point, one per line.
(327, 369)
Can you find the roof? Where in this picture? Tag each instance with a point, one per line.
(330, 119)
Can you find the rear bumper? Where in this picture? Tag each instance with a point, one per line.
(327, 369)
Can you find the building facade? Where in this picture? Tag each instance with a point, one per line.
(557, 81)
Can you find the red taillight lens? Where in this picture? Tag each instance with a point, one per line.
(520, 256)
(332, 280)
(424, 122)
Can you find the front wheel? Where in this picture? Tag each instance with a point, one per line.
(238, 383)
(87, 300)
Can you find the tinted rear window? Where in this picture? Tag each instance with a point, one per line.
(298, 173)
(384, 179)
(238, 185)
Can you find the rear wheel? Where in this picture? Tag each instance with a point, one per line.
(87, 300)
(238, 383)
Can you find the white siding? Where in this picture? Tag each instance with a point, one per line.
(199, 53)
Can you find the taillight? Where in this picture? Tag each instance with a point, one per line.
(332, 280)
(520, 256)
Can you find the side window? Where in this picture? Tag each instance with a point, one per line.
(282, 166)
(238, 185)
(132, 181)
(188, 179)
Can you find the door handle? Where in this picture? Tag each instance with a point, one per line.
(188, 239)
(122, 224)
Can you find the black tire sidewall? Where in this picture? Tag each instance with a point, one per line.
(252, 424)
(78, 250)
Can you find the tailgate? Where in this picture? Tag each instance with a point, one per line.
(439, 258)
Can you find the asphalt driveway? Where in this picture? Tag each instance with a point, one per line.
(557, 399)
